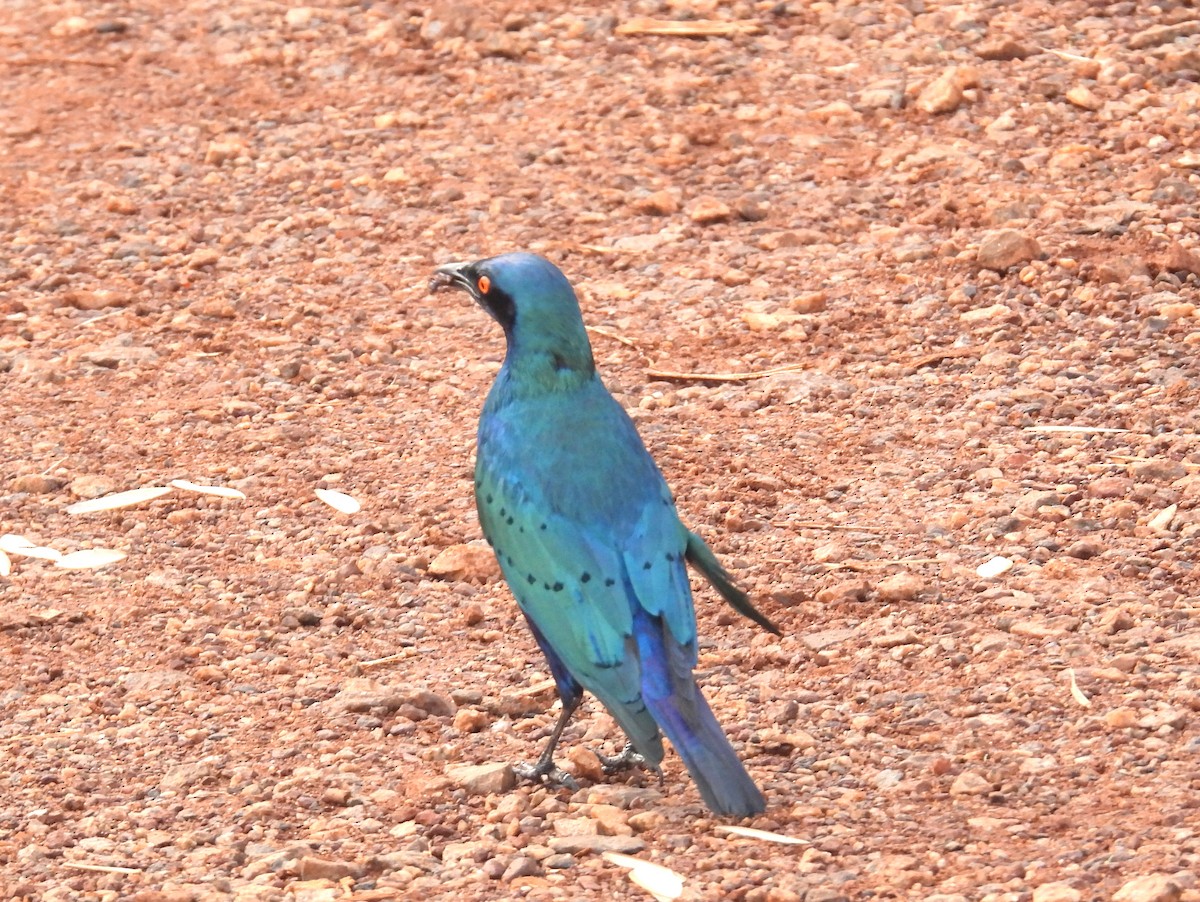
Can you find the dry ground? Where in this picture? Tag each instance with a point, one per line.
(968, 229)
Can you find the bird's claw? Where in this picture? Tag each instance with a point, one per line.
(546, 772)
(628, 758)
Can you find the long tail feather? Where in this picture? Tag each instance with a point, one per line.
(700, 556)
(720, 776)
(679, 708)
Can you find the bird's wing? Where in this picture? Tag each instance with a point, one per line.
(583, 495)
(565, 488)
(570, 585)
(654, 559)
(574, 589)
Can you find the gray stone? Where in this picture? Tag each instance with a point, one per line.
(1149, 888)
(483, 779)
(575, 845)
(1006, 248)
(521, 866)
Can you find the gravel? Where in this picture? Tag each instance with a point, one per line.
(892, 290)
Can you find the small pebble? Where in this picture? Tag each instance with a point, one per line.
(706, 210)
(521, 866)
(1005, 249)
(483, 779)
(969, 783)
(1149, 888)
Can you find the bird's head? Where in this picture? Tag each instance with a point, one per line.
(533, 302)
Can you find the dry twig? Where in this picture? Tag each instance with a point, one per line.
(692, 28)
(37, 737)
(102, 868)
(671, 376)
(628, 342)
(61, 61)
(1068, 57)
(848, 527)
(939, 356)
(600, 249)
(863, 566)
(389, 659)
(536, 689)
(1083, 430)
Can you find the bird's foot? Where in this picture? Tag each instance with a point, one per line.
(544, 770)
(628, 758)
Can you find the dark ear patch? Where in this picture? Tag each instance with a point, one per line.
(501, 306)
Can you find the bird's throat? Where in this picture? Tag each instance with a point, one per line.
(526, 375)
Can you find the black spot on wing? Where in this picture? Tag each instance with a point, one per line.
(585, 577)
(531, 579)
(647, 565)
(610, 582)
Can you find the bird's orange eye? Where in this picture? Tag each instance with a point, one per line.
(484, 284)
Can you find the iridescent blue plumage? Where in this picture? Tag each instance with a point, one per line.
(587, 534)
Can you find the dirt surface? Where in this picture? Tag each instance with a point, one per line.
(960, 240)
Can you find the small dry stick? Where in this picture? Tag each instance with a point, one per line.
(1069, 57)
(102, 316)
(671, 376)
(61, 60)
(37, 737)
(694, 28)
(379, 662)
(600, 249)
(535, 689)
(849, 527)
(628, 342)
(1084, 430)
(939, 356)
(103, 868)
(58, 463)
(861, 566)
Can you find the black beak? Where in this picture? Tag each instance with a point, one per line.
(454, 275)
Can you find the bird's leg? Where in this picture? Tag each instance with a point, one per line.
(628, 758)
(544, 769)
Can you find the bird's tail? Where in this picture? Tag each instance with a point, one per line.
(676, 703)
(721, 778)
(700, 556)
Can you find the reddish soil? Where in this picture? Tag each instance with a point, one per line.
(939, 263)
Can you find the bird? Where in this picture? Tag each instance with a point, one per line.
(589, 539)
